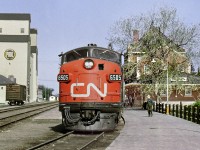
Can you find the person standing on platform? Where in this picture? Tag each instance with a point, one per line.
(149, 106)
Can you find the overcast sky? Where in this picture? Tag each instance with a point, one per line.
(66, 24)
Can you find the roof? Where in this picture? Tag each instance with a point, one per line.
(4, 80)
(15, 16)
(193, 79)
(158, 32)
(33, 31)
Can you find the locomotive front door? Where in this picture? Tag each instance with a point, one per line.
(89, 87)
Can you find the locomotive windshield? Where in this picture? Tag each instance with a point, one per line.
(75, 55)
(100, 53)
(106, 54)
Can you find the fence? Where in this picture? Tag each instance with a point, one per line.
(189, 113)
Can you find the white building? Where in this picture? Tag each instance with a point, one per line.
(2, 94)
(3, 82)
(18, 51)
(33, 66)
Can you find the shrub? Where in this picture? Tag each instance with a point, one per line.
(197, 103)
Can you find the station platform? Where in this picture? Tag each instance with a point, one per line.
(160, 132)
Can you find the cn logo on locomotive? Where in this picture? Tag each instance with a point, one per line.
(88, 90)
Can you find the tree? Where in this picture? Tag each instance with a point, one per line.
(192, 68)
(164, 37)
(132, 95)
(130, 73)
(46, 92)
(187, 37)
(198, 71)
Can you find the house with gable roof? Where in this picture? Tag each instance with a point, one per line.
(163, 67)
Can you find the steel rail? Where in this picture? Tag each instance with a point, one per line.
(32, 109)
(92, 141)
(28, 115)
(17, 107)
(62, 136)
(50, 141)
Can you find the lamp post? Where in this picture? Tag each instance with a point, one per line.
(167, 109)
(167, 83)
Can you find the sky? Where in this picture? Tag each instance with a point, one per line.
(66, 24)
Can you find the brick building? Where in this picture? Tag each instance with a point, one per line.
(184, 88)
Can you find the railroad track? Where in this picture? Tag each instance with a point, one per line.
(13, 108)
(11, 116)
(69, 141)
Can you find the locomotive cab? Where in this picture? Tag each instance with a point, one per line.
(90, 88)
(90, 52)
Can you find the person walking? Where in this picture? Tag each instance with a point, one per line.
(149, 106)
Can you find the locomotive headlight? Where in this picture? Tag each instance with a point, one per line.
(88, 64)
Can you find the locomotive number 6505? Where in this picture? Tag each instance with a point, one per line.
(63, 77)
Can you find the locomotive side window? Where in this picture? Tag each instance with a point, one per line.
(62, 59)
(106, 54)
(76, 54)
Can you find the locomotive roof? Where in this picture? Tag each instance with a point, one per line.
(91, 51)
(91, 47)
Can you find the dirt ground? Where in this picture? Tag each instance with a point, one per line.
(46, 126)
(104, 142)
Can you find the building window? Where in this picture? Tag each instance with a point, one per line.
(188, 91)
(163, 92)
(146, 69)
(22, 30)
(138, 59)
(0, 30)
(181, 68)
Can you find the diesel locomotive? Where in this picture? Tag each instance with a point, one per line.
(90, 88)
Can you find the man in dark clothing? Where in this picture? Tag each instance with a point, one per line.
(149, 106)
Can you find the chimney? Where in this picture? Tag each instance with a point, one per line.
(135, 36)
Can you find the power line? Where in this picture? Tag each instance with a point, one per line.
(47, 80)
(48, 61)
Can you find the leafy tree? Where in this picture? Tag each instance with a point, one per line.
(166, 19)
(192, 68)
(163, 37)
(46, 92)
(197, 104)
(198, 72)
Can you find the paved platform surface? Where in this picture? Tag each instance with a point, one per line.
(160, 132)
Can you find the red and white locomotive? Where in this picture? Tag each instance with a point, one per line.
(90, 88)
